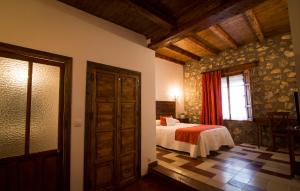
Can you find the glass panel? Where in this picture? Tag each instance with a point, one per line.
(44, 108)
(225, 104)
(237, 97)
(13, 98)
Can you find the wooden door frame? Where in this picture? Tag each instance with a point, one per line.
(88, 109)
(59, 60)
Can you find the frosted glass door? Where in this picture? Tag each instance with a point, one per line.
(44, 108)
(44, 113)
(13, 98)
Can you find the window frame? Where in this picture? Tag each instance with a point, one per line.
(247, 89)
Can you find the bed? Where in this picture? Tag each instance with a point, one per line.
(208, 140)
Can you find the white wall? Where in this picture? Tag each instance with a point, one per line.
(51, 26)
(169, 76)
(294, 16)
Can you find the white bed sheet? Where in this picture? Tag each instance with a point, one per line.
(209, 140)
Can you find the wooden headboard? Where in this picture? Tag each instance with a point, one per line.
(165, 108)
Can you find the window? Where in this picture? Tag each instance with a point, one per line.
(236, 96)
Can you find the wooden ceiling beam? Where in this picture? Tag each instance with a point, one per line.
(226, 10)
(254, 24)
(217, 30)
(184, 52)
(152, 14)
(169, 59)
(197, 40)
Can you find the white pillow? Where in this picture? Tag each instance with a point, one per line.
(177, 121)
(157, 122)
(170, 121)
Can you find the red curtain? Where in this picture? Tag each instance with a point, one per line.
(211, 113)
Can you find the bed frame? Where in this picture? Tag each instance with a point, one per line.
(165, 108)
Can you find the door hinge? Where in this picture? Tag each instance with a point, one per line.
(91, 115)
(138, 82)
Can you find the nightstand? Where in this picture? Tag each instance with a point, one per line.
(183, 120)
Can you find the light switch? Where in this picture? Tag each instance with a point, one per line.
(77, 123)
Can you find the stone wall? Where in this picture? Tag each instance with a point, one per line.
(273, 81)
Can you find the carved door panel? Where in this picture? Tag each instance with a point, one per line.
(113, 131)
(128, 134)
(103, 130)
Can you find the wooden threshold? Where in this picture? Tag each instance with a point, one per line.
(152, 165)
(185, 182)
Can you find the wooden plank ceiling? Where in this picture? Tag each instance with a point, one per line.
(182, 31)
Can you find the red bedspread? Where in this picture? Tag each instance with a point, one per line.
(191, 134)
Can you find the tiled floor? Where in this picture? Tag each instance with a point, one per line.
(243, 167)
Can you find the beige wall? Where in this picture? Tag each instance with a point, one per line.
(294, 15)
(169, 78)
(51, 26)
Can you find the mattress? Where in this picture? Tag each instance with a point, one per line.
(209, 140)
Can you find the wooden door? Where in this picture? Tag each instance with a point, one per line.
(112, 157)
(33, 112)
(41, 171)
(103, 131)
(128, 134)
(31, 129)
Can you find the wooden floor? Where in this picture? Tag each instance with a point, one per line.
(150, 182)
(155, 182)
(163, 179)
